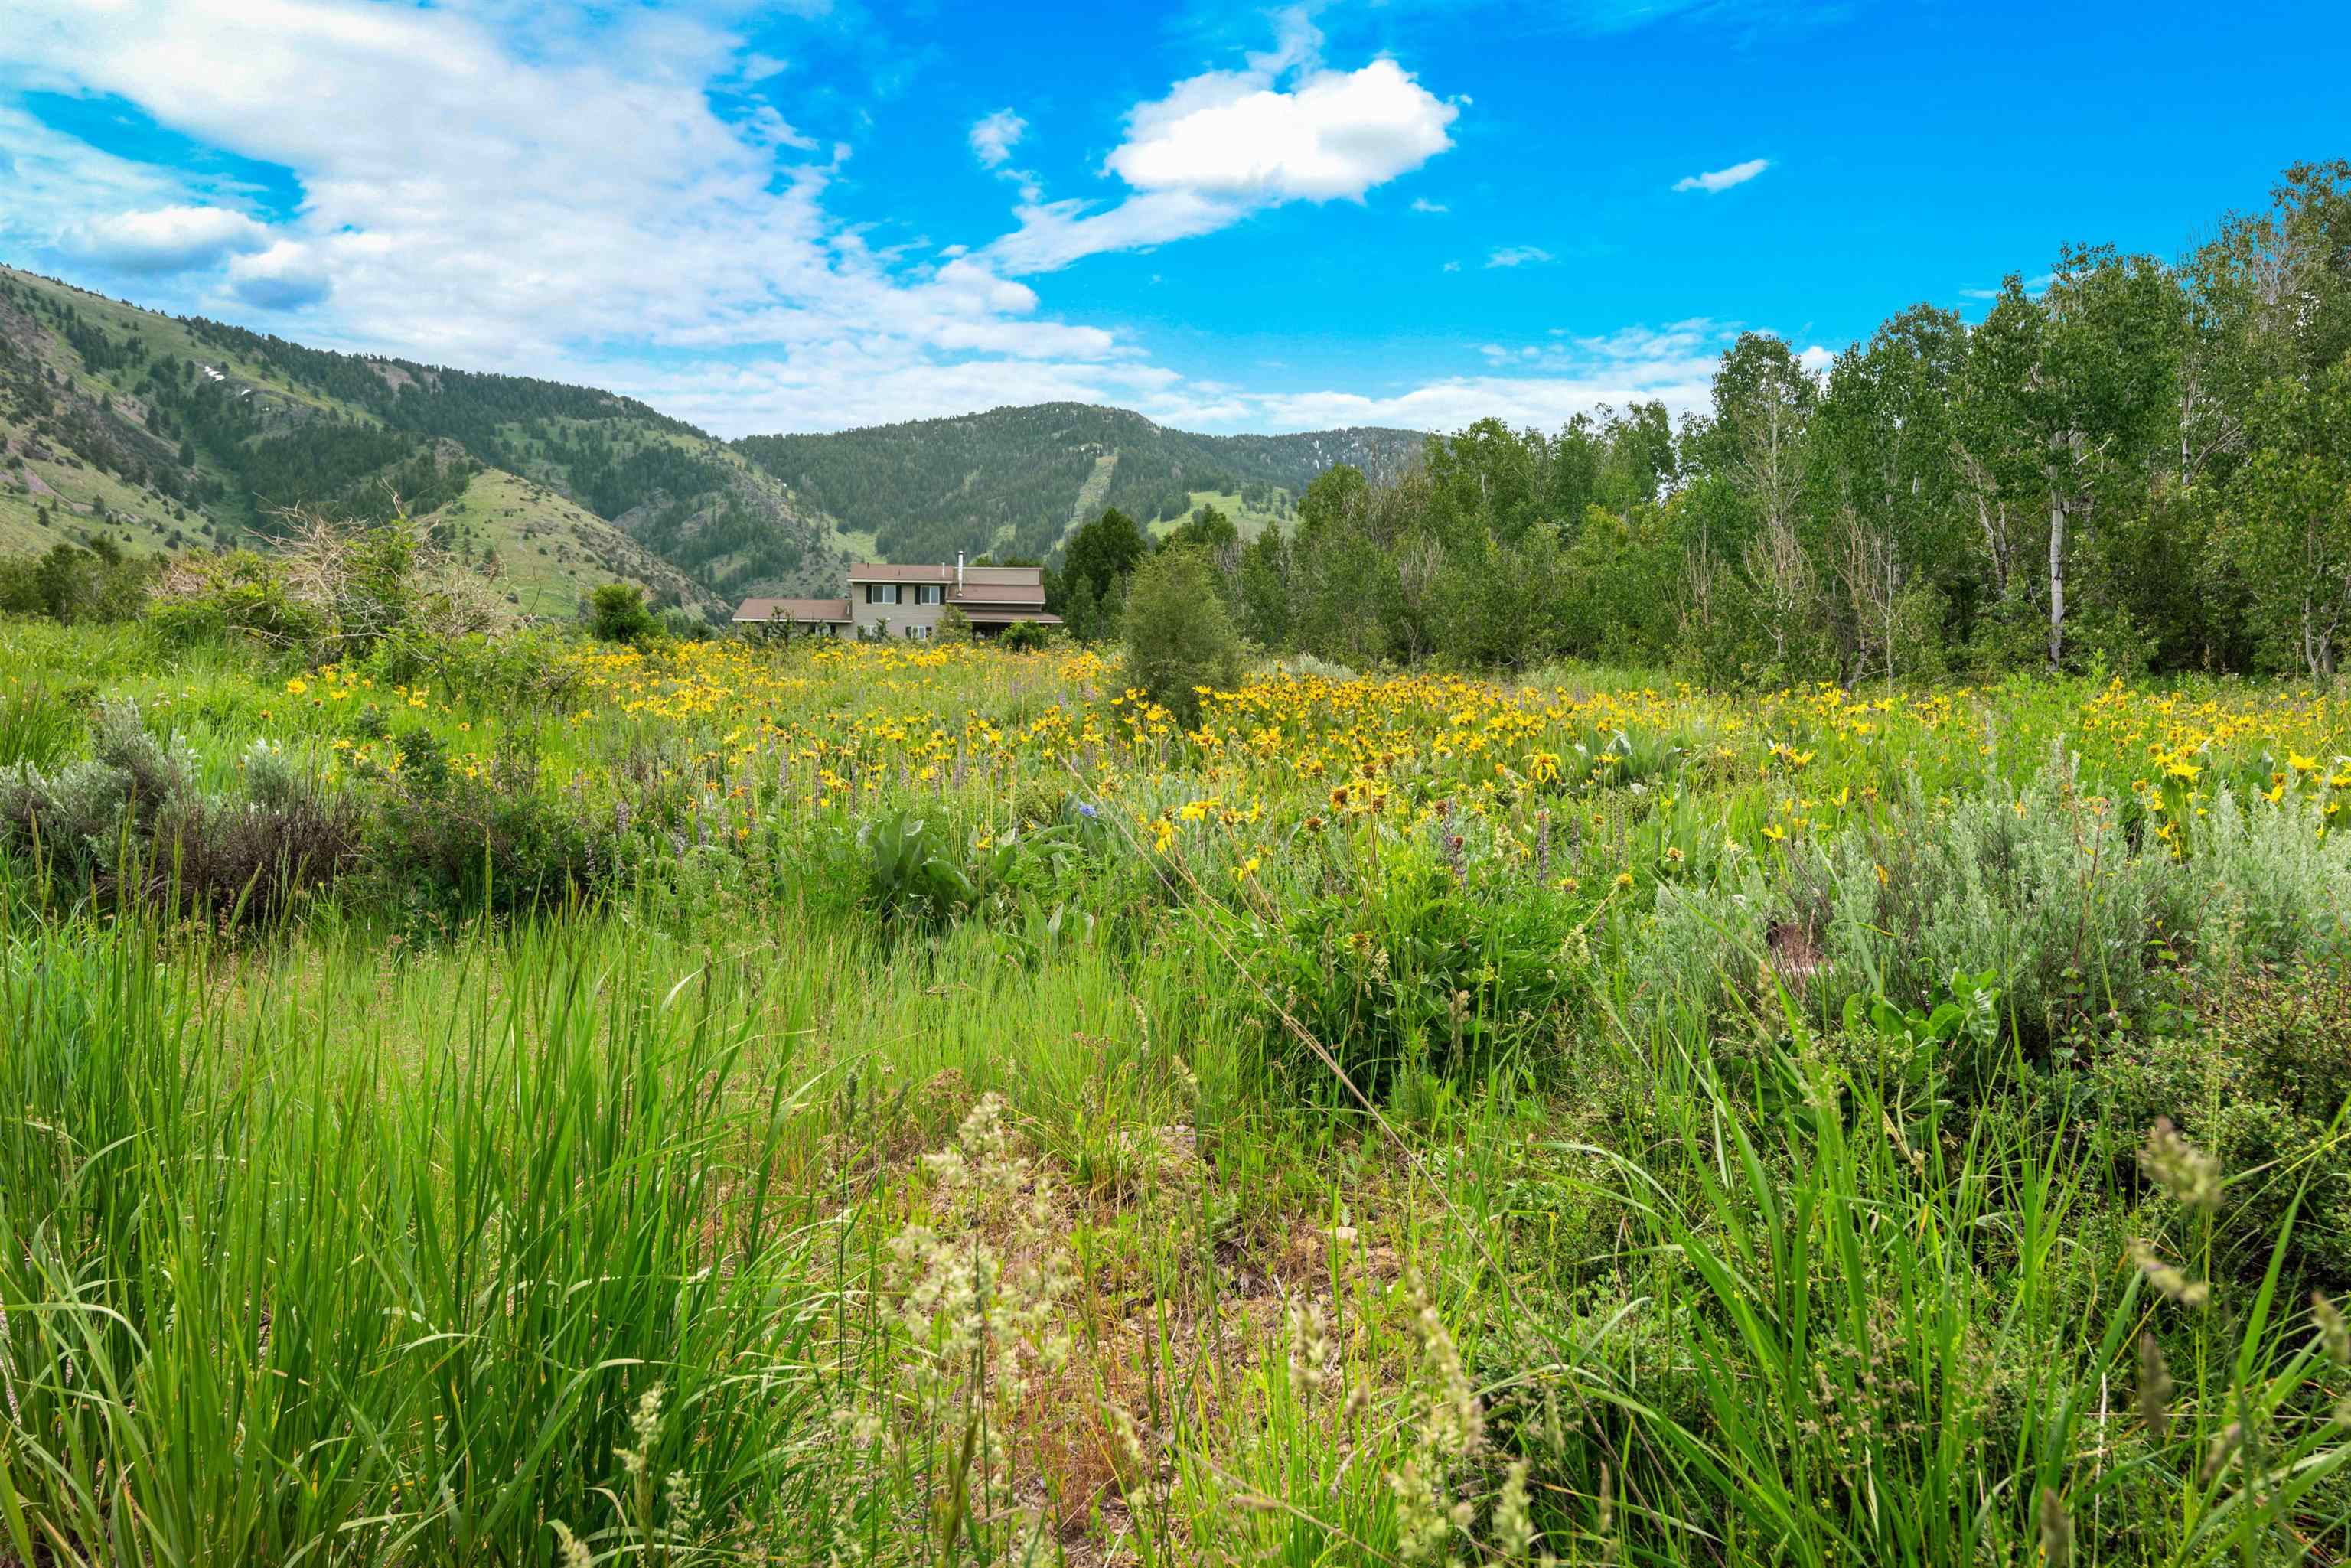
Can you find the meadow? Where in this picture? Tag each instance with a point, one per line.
(515, 1101)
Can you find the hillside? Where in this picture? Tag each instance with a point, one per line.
(167, 432)
(170, 433)
(1013, 480)
(544, 554)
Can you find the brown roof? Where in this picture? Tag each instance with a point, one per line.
(882, 571)
(793, 609)
(981, 584)
(985, 593)
(1000, 617)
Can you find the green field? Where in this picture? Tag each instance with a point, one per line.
(519, 1101)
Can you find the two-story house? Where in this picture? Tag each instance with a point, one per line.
(886, 601)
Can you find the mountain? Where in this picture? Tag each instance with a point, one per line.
(163, 433)
(1014, 480)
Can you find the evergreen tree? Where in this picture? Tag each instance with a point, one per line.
(1179, 635)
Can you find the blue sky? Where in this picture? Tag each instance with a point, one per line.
(840, 212)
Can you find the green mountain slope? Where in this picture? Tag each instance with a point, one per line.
(1015, 479)
(167, 432)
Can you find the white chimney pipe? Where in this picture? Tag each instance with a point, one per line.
(958, 574)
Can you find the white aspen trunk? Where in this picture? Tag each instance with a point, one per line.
(2057, 582)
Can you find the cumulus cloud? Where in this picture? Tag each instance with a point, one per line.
(995, 136)
(286, 276)
(1723, 179)
(1518, 256)
(166, 239)
(471, 200)
(1223, 144)
(468, 201)
(1333, 134)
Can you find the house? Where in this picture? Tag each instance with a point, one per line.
(886, 601)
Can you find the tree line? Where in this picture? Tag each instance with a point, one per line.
(2133, 464)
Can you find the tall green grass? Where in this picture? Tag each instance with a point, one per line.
(355, 1270)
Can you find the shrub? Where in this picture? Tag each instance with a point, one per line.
(2257, 1071)
(1023, 637)
(523, 664)
(130, 820)
(326, 589)
(251, 860)
(617, 613)
(955, 626)
(2038, 886)
(82, 815)
(1407, 972)
(70, 584)
(1179, 635)
(447, 843)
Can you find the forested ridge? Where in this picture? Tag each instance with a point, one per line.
(1012, 480)
(226, 428)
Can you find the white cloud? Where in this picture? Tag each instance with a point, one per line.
(468, 201)
(471, 199)
(1423, 205)
(1518, 256)
(166, 239)
(995, 136)
(1223, 144)
(2034, 288)
(1541, 384)
(1333, 135)
(286, 276)
(1723, 179)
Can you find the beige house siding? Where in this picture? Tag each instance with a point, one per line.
(869, 617)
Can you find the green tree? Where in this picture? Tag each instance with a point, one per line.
(1265, 589)
(1486, 478)
(2290, 521)
(2073, 396)
(1334, 495)
(952, 625)
(1179, 635)
(1101, 553)
(617, 613)
(1886, 494)
(1760, 441)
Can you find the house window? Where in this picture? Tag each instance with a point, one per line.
(881, 593)
(928, 594)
